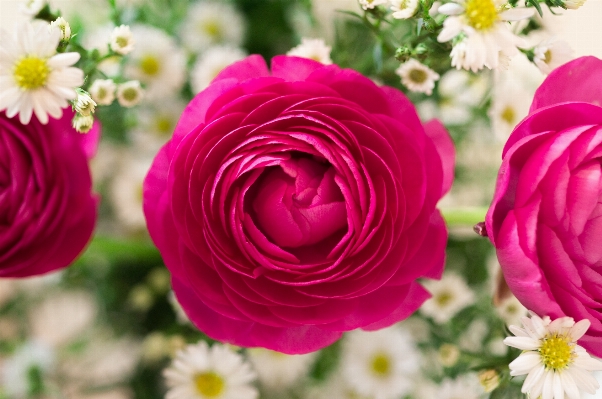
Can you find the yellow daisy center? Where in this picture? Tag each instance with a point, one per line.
(122, 41)
(164, 125)
(31, 72)
(556, 352)
(381, 365)
(213, 29)
(481, 14)
(547, 56)
(209, 384)
(150, 65)
(418, 76)
(509, 116)
(130, 94)
(443, 298)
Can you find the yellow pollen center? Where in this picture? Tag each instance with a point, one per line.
(556, 352)
(547, 56)
(130, 94)
(508, 115)
(212, 29)
(418, 76)
(443, 298)
(209, 385)
(164, 125)
(381, 365)
(481, 14)
(150, 65)
(122, 41)
(31, 72)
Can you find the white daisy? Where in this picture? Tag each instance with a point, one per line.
(82, 123)
(31, 356)
(482, 23)
(103, 91)
(370, 4)
(277, 371)
(62, 317)
(417, 77)
(404, 9)
(202, 372)
(574, 4)
(155, 126)
(466, 386)
(315, 49)
(211, 63)
(64, 26)
(84, 104)
(553, 362)
(121, 40)
(511, 310)
(126, 191)
(31, 7)
(379, 364)
(157, 62)
(510, 104)
(449, 295)
(211, 23)
(552, 53)
(33, 78)
(129, 93)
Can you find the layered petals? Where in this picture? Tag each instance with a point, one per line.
(47, 208)
(298, 202)
(546, 216)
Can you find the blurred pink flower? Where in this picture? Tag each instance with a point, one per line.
(545, 219)
(47, 208)
(296, 204)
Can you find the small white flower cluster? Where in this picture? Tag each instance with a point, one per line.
(37, 77)
(402, 9)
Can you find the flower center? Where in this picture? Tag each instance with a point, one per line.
(122, 41)
(508, 115)
(212, 29)
(209, 385)
(547, 56)
(150, 65)
(381, 365)
(443, 298)
(130, 94)
(164, 125)
(418, 76)
(31, 73)
(556, 352)
(481, 14)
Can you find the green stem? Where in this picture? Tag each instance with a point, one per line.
(464, 216)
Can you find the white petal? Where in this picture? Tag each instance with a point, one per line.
(516, 14)
(534, 379)
(579, 329)
(450, 9)
(451, 28)
(63, 60)
(584, 380)
(526, 362)
(557, 386)
(569, 386)
(548, 385)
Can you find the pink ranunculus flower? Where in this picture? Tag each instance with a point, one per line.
(47, 208)
(546, 216)
(296, 204)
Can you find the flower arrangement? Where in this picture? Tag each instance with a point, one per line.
(227, 199)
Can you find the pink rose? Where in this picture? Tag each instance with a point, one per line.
(296, 204)
(546, 217)
(47, 209)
